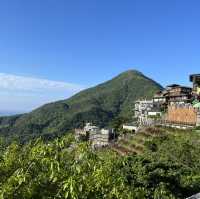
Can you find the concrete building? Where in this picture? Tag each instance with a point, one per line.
(178, 94)
(176, 105)
(147, 111)
(130, 127)
(90, 128)
(83, 134)
(155, 112)
(195, 79)
(173, 94)
(143, 107)
(98, 137)
(159, 98)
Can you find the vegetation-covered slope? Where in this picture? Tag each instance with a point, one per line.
(168, 168)
(100, 104)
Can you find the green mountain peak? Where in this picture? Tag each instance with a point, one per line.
(100, 105)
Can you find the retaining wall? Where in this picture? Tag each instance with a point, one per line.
(183, 114)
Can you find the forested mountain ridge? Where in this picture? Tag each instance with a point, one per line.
(100, 104)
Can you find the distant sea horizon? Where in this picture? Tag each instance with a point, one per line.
(10, 113)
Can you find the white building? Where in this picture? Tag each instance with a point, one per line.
(89, 127)
(130, 127)
(143, 107)
(146, 112)
(98, 137)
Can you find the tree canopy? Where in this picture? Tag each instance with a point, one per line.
(62, 168)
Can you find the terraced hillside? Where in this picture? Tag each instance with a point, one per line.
(135, 143)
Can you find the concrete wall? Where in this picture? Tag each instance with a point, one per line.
(198, 118)
(182, 115)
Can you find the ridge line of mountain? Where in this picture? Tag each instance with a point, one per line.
(101, 104)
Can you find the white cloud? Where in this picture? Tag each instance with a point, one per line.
(19, 93)
(20, 83)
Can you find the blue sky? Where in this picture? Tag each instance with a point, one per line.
(83, 43)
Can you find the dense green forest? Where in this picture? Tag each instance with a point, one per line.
(100, 105)
(169, 167)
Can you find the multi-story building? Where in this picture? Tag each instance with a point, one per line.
(159, 98)
(195, 79)
(91, 128)
(83, 134)
(98, 137)
(173, 94)
(143, 107)
(177, 105)
(146, 111)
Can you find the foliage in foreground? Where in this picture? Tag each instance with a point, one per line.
(170, 168)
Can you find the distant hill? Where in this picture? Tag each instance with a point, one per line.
(100, 104)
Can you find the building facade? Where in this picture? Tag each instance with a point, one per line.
(195, 79)
(173, 94)
(98, 137)
(175, 104)
(143, 107)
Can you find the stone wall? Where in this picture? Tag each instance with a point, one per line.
(183, 114)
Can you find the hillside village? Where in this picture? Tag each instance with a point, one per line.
(100, 99)
(176, 106)
(143, 158)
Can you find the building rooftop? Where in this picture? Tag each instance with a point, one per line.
(194, 75)
(177, 86)
(173, 85)
(144, 101)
